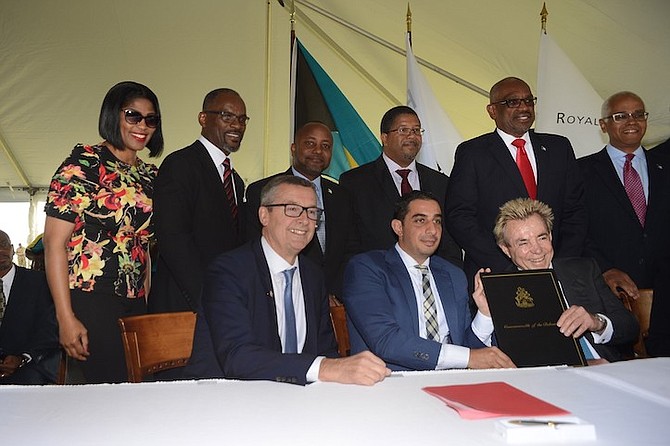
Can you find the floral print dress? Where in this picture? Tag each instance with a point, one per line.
(110, 204)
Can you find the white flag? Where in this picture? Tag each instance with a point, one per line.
(441, 137)
(566, 103)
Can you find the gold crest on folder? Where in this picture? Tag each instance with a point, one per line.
(523, 299)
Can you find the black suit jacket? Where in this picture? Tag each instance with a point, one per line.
(193, 224)
(663, 147)
(236, 332)
(615, 237)
(485, 177)
(373, 196)
(29, 324)
(338, 228)
(583, 285)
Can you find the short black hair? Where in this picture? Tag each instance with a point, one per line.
(119, 96)
(402, 205)
(390, 116)
(212, 95)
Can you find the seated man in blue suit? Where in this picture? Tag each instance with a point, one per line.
(410, 307)
(264, 308)
(29, 350)
(523, 232)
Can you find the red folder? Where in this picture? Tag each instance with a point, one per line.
(494, 399)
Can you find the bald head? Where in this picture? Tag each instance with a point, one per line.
(6, 253)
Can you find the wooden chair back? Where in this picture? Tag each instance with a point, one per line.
(338, 317)
(155, 342)
(641, 309)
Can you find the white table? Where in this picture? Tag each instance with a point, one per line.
(628, 402)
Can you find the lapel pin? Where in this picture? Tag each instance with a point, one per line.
(660, 166)
(543, 148)
(330, 191)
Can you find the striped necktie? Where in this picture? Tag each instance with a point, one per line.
(633, 185)
(429, 307)
(228, 188)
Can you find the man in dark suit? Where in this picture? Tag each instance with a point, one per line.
(410, 307)
(488, 170)
(375, 187)
(29, 350)
(264, 307)
(310, 155)
(196, 204)
(628, 238)
(663, 147)
(523, 232)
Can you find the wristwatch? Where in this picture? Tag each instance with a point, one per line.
(603, 321)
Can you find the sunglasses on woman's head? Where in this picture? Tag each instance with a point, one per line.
(134, 117)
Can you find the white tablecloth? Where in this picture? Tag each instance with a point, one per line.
(628, 402)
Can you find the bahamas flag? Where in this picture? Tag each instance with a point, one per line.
(315, 97)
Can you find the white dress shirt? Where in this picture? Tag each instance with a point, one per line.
(413, 176)
(218, 157)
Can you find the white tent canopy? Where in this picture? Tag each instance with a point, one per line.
(59, 58)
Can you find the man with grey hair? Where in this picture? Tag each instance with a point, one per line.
(523, 232)
(264, 306)
(627, 191)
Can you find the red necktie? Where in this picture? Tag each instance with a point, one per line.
(405, 187)
(228, 187)
(523, 163)
(634, 190)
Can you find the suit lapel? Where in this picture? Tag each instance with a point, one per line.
(542, 162)
(385, 181)
(266, 284)
(658, 186)
(403, 282)
(445, 288)
(501, 154)
(605, 170)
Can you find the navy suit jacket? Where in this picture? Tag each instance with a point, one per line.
(193, 224)
(485, 177)
(338, 228)
(382, 313)
(373, 196)
(615, 237)
(236, 332)
(29, 324)
(583, 285)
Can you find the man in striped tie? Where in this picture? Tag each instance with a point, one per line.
(410, 307)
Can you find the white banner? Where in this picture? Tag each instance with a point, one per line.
(441, 137)
(567, 104)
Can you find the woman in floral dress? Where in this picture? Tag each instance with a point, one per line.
(97, 232)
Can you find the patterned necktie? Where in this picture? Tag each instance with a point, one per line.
(3, 302)
(429, 307)
(405, 187)
(228, 187)
(321, 228)
(523, 163)
(291, 341)
(634, 189)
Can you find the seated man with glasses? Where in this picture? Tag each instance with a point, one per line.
(375, 187)
(264, 306)
(627, 190)
(512, 162)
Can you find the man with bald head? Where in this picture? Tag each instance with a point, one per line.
(310, 156)
(627, 192)
(512, 162)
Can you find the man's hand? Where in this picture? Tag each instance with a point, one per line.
(576, 320)
(489, 358)
(478, 295)
(618, 280)
(74, 338)
(9, 365)
(363, 368)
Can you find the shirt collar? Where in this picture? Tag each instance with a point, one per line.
(276, 263)
(393, 166)
(408, 260)
(216, 154)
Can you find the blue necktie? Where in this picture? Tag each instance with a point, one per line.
(291, 341)
(585, 348)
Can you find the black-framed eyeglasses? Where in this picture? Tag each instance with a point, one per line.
(134, 117)
(228, 117)
(295, 210)
(516, 102)
(624, 116)
(406, 131)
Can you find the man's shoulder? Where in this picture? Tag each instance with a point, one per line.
(440, 263)
(359, 173)
(480, 141)
(257, 185)
(189, 151)
(594, 158)
(576, 264)
(30, 274)
(426, 172)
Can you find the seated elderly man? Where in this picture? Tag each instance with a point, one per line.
(410, 306)
(523, 232)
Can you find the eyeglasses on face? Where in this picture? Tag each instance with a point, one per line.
(134, 117)
(406, 131)
(228, 117)
(516, 102)
(624, 116)
(295, 210)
